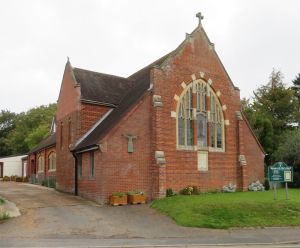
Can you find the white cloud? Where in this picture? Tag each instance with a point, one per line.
(122, 36)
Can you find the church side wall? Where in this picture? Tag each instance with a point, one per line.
(255, 157)
(117, 170)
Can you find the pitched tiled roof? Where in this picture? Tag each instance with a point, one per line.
(45, 143)
(101, 88)
(141, 81)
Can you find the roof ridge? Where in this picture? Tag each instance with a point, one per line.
(48, 141)
(112, 118)
(156, 62)
(100, 73)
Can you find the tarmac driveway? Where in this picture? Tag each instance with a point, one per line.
(48, 214)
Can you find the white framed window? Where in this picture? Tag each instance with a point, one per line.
(199, 113)
(41, 163)
(52, 161)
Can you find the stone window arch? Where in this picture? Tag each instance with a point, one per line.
(200, 120)
(52, 161)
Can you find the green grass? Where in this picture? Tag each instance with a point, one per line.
(3, 215)
(227, 210)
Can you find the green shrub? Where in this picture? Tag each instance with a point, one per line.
(51, 182)
(186, 191)
(1, 201)
(169, 192)
(19, 179)
(137, 192)
(267, 184)
(195, 190)
(4, 216)
(6, 179)
(120, 194)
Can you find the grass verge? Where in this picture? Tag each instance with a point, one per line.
(227, 210)
(3, 215)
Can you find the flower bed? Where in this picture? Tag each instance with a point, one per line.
(118, 198)
(136, 197)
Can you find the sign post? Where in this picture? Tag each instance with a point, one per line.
(275, 191)
(280, 172)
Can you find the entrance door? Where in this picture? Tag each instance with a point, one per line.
(24, 168)
(1, 169)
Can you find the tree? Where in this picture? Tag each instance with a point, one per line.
(273, 111)
(277, 102)
(7, 124)
(296, 86)
(289, 152)
(28, 129)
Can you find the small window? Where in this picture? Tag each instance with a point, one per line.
(79, 165)
(69, 131)
(52, 161)
(61, 135)
(41, 163)
(91, 175)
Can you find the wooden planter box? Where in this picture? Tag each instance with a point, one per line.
(118, 200)
(136, 199)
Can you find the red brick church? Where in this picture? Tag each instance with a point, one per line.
(175, 123)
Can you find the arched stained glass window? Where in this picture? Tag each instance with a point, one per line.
(201, 113)
(185, 116)
(195, 112)
(216, 117)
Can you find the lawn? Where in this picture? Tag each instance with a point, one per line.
(227, 210)
(3, 215)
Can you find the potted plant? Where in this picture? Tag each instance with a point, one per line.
(118, 198)
(136, 197)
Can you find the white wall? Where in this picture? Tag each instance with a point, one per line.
(12, 165)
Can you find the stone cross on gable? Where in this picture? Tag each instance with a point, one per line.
(200, 17)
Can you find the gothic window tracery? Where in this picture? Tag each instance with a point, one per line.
(199, 113)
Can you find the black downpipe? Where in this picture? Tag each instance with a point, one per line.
(76, 173)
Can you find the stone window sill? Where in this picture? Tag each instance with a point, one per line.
(196, 148)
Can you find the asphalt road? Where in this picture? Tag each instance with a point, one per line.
(52, 219)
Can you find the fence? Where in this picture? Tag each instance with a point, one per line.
(48, 181)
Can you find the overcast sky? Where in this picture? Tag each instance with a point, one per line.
(121, 36)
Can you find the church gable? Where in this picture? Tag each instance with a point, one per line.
(199, 133)
(69, 95)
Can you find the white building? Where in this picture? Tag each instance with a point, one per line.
(13, 166)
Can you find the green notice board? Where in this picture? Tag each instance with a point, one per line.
(280, 172)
